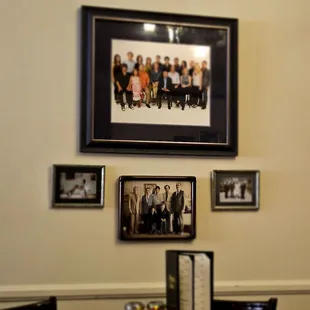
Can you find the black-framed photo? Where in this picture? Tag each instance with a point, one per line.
(157, 208)
(155, 83)
(78, 186)
(235, 190)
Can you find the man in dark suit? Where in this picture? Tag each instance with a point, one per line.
(242, 189)
(164, 88)
(178, 208)
(205, 84)
(147, 203)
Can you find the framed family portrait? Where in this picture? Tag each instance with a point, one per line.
(157, 208)
(78, 186)
(158, 83)
(235, 190)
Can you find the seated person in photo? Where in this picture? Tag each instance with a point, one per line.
(153, 218)
(130, 63)
(177, 65)
(139, 61)
(197, 84)
(148, 66)
(158, 62)
(164, 88)
(163, 215)
(166, 65)
(155, 77)
(175, 77)
(145, 82)
(186, 83)
(135, 86)
(122, 82)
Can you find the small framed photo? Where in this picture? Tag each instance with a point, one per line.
(235, 190)
(157, 208)
(78, 186)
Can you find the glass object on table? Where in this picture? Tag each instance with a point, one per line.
(134, 305)
(156, 305)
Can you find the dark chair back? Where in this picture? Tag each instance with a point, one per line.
(271, 304)
(49, 304)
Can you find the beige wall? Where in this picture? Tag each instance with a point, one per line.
(39, 78)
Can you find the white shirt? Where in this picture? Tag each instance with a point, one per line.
(175, 77)
(197, 79)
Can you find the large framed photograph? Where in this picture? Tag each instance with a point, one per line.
(155, 83)
(78, 186)
(235, 190)
(157, 208)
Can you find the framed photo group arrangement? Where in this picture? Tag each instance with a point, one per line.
(160, 84)
(155, 83)
(154, 207)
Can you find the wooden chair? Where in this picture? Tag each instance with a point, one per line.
(49, 304)
(270, 304)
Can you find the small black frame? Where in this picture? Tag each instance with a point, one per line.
(235, 190)
(180, 204)
(78, 186)
(99, 134)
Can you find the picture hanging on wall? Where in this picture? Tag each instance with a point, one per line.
(157, 208)
(158, 83)
(235, 190)
(78, 186)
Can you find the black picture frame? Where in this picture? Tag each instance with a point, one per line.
(149, 228)
(78, 186)
(235, 190)
(99, 134)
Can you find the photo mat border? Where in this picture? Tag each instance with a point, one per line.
(149, 179)
(99, 170)
(215, 206)
(89, 144)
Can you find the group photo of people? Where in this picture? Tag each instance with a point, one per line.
(157, 209)
(146, 79)
(235, 190)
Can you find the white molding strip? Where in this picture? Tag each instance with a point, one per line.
(148, 290)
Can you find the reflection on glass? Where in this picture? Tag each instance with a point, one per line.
(171, 34)
(200, 51)
(149, 27)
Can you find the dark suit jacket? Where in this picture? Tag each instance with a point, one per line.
(177, 202)
(205, 78)
(161, 83)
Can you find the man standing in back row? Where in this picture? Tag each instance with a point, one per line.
(205, 84)
(178, 208)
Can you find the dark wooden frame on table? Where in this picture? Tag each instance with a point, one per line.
(123, 235)
(99, 135)
(87, 203)
(216, 205)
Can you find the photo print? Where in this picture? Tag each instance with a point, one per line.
(160, 83)
(237, 190)
(78, 186)
(159, 208)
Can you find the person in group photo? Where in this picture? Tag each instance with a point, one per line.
(164, 88)
(130, 62)
(155, 77)
(191, 68)
(148, 66)
(116, 70)
(158, 62)
(205, 84)
(135, 86)
(145, 82)
(186, 82)
(177, 66)
(139, 61)
(147, 205)
(123, 88)
(197, 84)
(134, 210)
(178, 208)
(166, 65)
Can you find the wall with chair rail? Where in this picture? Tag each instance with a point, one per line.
(75, 254)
